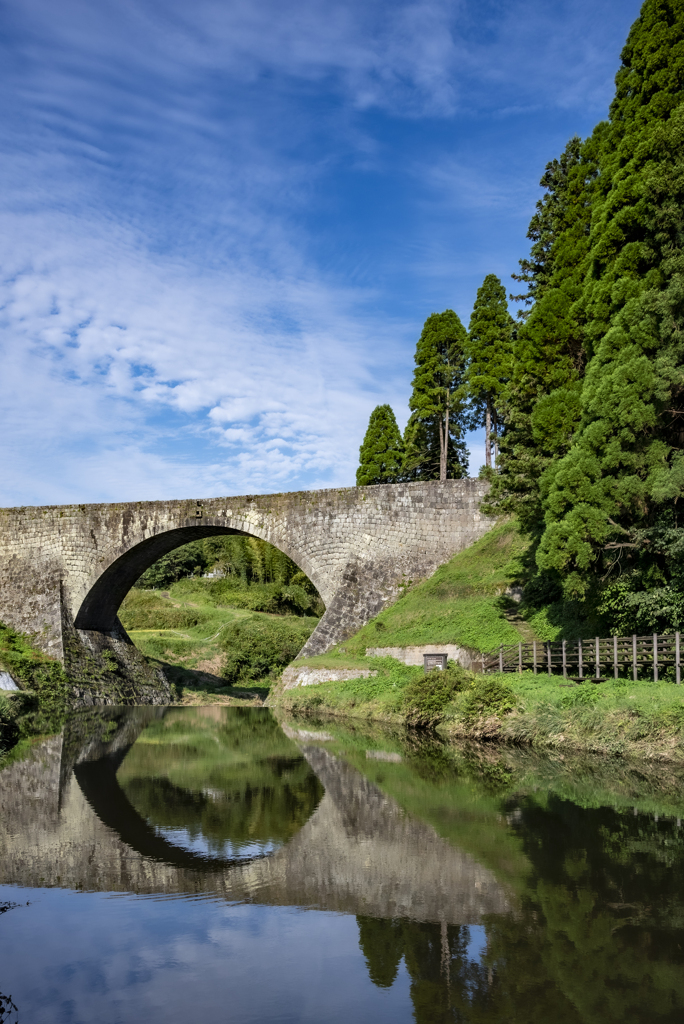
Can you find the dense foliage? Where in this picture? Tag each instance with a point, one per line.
(256, 646)
(592, 458)
(43, 700)
(241, 563)
(490, 334)
(381, 455)
(434, 437)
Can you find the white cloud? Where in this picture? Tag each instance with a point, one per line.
(92, 358)
(166, 326)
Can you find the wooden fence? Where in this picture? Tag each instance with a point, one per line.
(592, 660)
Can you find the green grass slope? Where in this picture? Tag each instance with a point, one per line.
(462, 603)
(191, 630)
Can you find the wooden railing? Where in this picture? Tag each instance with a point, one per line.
(597, 659)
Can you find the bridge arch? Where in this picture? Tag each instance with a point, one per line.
(99, 608)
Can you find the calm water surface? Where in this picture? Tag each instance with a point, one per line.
(218, 865)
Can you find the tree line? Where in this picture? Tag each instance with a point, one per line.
(457, 385)
(584, 394)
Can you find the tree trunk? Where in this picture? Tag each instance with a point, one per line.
(488, 435)
(443, 445)
(442, 451)
(495, 431)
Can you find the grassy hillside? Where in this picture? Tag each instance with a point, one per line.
(184, 629)
(464, 602)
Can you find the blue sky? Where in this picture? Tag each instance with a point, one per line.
(224, 223)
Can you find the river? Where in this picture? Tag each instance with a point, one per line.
(220, 864)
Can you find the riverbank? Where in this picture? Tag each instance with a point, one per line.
(618, 718)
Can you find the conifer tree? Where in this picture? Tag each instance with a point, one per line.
(382, 452)
(490, 337)
(540, 406)
(610, 502)
(433, 440)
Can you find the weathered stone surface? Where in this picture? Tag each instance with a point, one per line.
(294, 676)
(463, 656)
(64, 570)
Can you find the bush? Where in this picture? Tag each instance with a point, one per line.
(143, 609)
(275, 598)
(426, 698)
(184, 561)
(582, 696)
(487, 698)
(42, 705)
(9, 730)
(256, 646)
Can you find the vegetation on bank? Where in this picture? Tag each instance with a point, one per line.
(620, 717)
(39, 707)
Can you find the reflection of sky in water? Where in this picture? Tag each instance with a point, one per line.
(96, 958)
(477, 942)
(196, 842)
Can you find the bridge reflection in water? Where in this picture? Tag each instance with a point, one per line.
(66, 820)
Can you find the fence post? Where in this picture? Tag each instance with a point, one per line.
(598, 659)
(615, 667)
(579, 659)
(548, 656)
(520, 657)
(677, 665)
(501, 658)
(655, 657)
(634, 657)
(534, 655)
(565, 663)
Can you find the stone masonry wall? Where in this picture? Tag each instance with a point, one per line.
(64, 570)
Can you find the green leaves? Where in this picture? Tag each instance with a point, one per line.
(381, 455)
(433, 440)
(593, 451)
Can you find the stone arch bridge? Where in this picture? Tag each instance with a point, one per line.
(65, 569)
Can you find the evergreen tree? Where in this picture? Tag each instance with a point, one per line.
(540, 405)
(610, 501)
(490, 337)
(382, 452)
(433, 440)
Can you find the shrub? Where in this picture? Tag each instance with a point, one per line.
(41, 707)
(426, 698)
(9, 730)
(255, 646)
(487, 698)
(143, 609)
(275, 598)
(582, 696)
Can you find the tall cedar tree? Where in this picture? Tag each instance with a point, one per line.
(490, 337)
(592, 455)
(541, 402)
(382, 452)
(610, 503)
(433, 440)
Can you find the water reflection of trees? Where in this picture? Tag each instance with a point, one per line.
(230, 776)
(597, 938)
